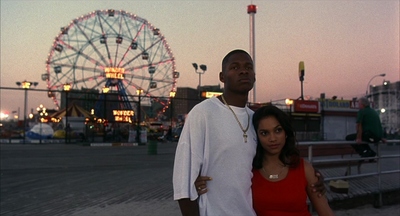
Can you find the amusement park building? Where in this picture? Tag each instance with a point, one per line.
(186, 98)
(386, 100)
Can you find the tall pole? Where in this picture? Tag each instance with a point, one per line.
(25, 107)
(66, 119)
(199, 82)
(172, 110)
(105, 90)
(172, 95)
(67, 88)
(203, 68)
(138, 117)
(301, 77)
(139, 120)
(252, 10)
(26, 85)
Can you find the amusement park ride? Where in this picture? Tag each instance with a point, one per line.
(117, 54)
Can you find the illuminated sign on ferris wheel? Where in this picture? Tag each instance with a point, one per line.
(114, 72)
(123, 115)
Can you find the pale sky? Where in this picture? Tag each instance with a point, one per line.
(343, 43)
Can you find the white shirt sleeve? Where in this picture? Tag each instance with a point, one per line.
(189, 156)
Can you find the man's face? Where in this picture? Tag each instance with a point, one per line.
(238, 74)
(360, 106)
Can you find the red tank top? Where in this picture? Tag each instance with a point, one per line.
(287, 197)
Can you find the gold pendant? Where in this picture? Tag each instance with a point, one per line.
(245, 137)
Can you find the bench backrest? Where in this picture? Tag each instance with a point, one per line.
(326, 150)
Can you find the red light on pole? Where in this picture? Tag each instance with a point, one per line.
(251, 9)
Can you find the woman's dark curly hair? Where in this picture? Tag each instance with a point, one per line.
(290, 155)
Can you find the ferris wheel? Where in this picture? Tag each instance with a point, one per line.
(116, 50)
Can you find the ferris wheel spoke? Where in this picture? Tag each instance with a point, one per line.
(100, 18)
(119, 35)
(86, 79)
(159, 43)
(80, 53)
(92, 45)
(128, 49)
(132, 38)
(148, 48)
(144, 78)
(72, 66)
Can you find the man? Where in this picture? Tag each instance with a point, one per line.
(369, 129)
(217, 140)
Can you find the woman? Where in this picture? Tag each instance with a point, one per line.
(281, 178)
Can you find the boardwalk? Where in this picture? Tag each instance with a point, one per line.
(59, 179)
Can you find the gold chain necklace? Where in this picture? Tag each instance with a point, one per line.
(273, 176)
(240, 125)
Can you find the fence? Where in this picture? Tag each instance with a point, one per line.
(24, 113)
(379, 178)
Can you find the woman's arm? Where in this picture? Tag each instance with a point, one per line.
(320, 203)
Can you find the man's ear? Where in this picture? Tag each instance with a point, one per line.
(221, 77)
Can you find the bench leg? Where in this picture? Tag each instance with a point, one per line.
(348, 170)
(359, 167)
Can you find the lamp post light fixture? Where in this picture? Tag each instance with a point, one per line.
(203, 68)
(67, 88)
(26, 85)
(289, 103)
(381, 75)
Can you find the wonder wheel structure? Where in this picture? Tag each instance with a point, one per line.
(112, 51)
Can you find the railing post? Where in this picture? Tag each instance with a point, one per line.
(378, 164)
(310, 159)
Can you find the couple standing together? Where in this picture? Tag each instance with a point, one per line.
(232, 161)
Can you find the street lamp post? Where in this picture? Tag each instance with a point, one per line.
(203, 68)
(301, 78)
(26, 85)
(67, 88)
(172, 95)
(366, 91)
(41, 114)
(105, 90)
(138, 117)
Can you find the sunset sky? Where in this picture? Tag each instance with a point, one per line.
(343, 43)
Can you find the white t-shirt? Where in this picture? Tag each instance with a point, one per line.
(212, 143)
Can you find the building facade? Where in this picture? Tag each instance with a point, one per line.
(386, 100)
(186, 98)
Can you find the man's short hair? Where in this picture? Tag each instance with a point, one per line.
(226, 58)
(364, 101)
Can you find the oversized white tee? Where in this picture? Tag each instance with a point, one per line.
(212, 144)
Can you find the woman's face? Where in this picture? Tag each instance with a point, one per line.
(271, 135)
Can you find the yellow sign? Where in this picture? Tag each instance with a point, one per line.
(122, 119)
(114, 72)
(123, 115)
(210, 94)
